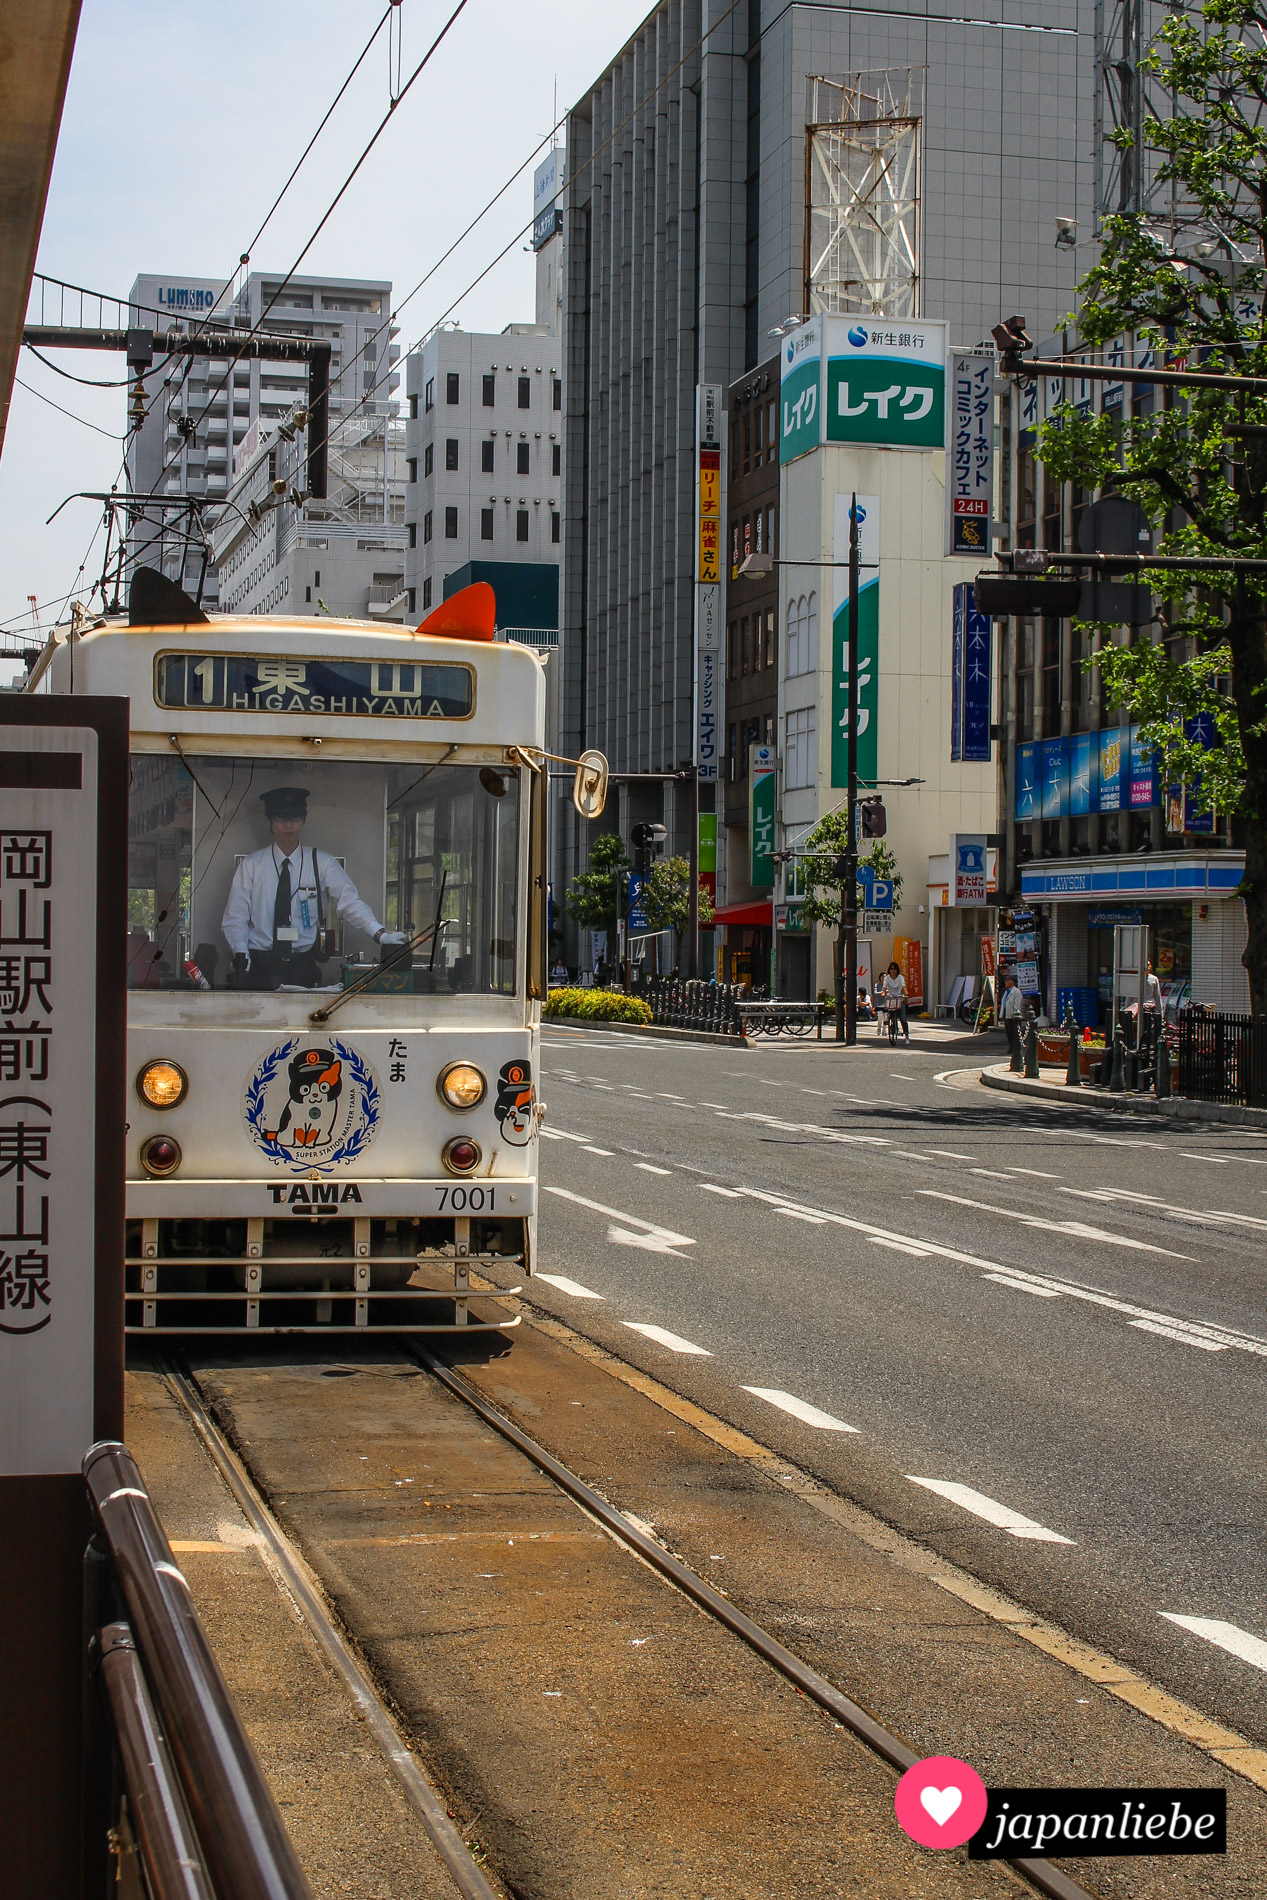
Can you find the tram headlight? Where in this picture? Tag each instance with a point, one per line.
(461, 1085)
(162, 1084)
(161, 1154)
(460, 1156)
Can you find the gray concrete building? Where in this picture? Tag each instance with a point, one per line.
(709, 170)
(241, 408)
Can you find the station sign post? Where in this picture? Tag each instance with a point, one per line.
(63, 924)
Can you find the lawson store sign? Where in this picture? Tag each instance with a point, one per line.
(863, 380)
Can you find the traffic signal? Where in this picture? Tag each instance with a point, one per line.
(875, 820)
(648, 838)
(1025, 594)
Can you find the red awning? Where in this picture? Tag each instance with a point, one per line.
(758, 916)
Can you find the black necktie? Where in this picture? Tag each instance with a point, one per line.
(281, 909)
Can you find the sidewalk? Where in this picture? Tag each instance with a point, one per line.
(1050, 1089)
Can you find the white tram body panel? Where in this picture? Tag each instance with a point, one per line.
(323, 1180)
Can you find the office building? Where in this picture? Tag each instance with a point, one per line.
(707, 202)
(244, 400)
(483, 460)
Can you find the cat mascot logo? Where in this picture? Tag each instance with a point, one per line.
(312, 1108)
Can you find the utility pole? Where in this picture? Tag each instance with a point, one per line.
(849, 891)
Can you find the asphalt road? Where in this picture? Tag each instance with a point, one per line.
(1045, 1328)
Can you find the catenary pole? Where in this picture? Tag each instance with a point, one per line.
(850, 894)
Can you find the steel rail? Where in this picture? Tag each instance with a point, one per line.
(242, 1835)
(468, 1877)
(1039, 1873)
(169, 1847)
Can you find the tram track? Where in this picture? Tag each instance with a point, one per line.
(1039, 1874)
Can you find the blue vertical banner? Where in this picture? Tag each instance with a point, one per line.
(1083, 761)
(958, 614)
(1113, 761)
(1026, 782)
(976, 685)
(1197, 815)
(1145, 790)
(1054, 758)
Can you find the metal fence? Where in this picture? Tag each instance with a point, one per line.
(678, 1004)
(1222, 1057)
(175, 1788)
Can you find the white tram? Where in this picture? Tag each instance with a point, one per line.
(336, 961)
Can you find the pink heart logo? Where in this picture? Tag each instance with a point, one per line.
(940, 1801)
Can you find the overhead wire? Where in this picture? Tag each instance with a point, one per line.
(41, 397)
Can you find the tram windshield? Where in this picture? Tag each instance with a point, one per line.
(265, 873)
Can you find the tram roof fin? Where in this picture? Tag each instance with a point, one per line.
(154, 601)
(470, 614)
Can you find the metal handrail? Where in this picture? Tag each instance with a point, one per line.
(247, 1851)
(169, 1848)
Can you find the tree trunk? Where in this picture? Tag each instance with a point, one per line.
(1248, 644)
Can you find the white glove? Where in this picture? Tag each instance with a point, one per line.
(393, 937)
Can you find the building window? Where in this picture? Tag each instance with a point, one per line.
(732, 747)
(426, 527)
(801, 750)
(556, 459)
(412, 531)
(521, 458)
(486, 524)
(521, 525)
(525, 391)
(413, 408)
(732, 649)
(557, 393)
(413, 605)
(429, 394)
(556, 526)
(450, 524)
(451, 452)
(428, 459)
(412, 466)
(452, 387)
(802, 635)
(745, 647)
(769, 638)
(426, 594)
(486, 456)
(759, 442)
(488, 392)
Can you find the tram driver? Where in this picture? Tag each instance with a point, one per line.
(274, 919)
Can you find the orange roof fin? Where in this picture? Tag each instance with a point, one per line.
(470, 614)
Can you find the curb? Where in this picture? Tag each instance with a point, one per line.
(653, 1030)
(1177, 1108)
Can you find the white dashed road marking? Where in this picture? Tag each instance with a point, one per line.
(731, 1194)
(647, 1168)
(673, 1341)
(565, 1285)
(796, 1213)
(808, 1414)
(1180, 1333)
(1076, 1227)
(1023, 1286)
(1237, 1642)
(900, 1246)
(614, 1213)
(1007, 1520)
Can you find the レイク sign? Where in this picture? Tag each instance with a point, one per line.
(800, 391)
(868, 639)
(886, 383)
(761, 789)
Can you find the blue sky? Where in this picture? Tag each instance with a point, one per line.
(180, 126)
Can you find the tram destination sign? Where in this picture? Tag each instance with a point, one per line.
(282, 683)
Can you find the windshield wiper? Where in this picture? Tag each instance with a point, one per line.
(433, 930)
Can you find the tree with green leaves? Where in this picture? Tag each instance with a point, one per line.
(666, 900)
(1192, 288)
(820, 876)
(593, 897)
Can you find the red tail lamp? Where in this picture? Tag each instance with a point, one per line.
(470, 614)
(161, 1154)
(460, 1156)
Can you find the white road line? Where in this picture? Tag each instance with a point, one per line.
(614, 1213)
(899, 1246)
(795, 1213)
(1040, 1174)
(896, 1076)
(673, 1341)
(1077, 1228)
(565, 1285)
(1023, 1286)
(731, 1194)
(667, 1095)
(1112, 1141)
(907, 1154)
(1220, 1161)
(551, 1134)
(949, 1154)
(991, 1174)
(1237, 1642)
(808, 1414)
(1008, 1520)
(1200, 1215)
(598, 1151)
(1177, 1332)
(647, 1168)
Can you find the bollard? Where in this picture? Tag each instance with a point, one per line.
(1117, 1078)
(1145, 1067)
(1017, 1040)
(1073, 1074)
(1031, 1052)
(1161, 1067)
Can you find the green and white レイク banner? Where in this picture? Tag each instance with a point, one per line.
(886, 383)
(868, 639)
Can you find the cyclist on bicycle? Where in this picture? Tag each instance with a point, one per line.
(893, 991)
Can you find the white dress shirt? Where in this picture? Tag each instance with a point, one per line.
(248, 916)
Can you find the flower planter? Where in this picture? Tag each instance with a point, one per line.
(1053, 1048)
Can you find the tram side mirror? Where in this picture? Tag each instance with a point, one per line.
(492, 781)
(589, 789)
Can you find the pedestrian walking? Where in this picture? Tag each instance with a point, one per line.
(1011, 1011)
